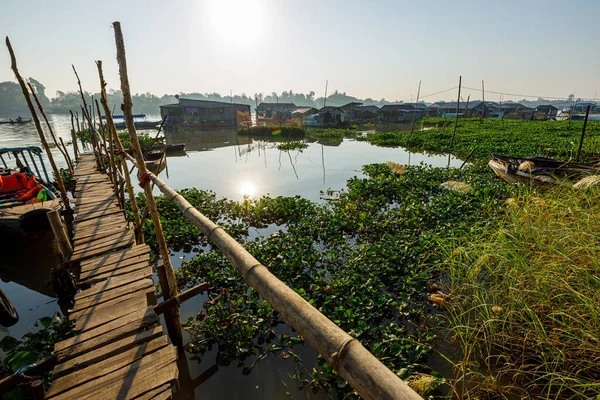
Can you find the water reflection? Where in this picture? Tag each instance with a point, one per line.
(324, 164)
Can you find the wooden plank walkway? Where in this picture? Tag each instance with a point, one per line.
(121, 351)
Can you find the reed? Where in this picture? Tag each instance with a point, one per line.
(524, 297)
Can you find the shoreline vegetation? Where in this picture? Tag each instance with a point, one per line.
(405, 253)
(407, 256)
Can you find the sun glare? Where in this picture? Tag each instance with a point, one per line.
(248, 188)
(236, 20)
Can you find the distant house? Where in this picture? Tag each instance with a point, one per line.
(582, 106)
(357, 112)
(302, 112)
(404, 112)
(472, 109)
(204, 113)
(275, 111)
(547, 110)
(336, 114)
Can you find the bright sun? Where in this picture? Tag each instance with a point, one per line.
(247, 188)
(236, 20)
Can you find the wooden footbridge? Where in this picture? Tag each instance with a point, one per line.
(121, 351)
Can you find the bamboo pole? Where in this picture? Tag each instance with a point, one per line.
(168, 282)
(41, 109)
(74, 138)
(457, 109)
(347, 356)
(69, 161)
(109, 155)
(483, 102)
(38, 127)
(86, 115)
(587, 113)
(112, 131)
(412, 128)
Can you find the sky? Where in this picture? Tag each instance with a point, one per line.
(377, 49)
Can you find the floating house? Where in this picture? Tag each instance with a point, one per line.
(547, 110)
(275, 111)
(205, 114)
(404, 112)
(356, 112)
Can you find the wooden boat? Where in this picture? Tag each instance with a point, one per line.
(542, 171)
(25, 194)
(24, 121)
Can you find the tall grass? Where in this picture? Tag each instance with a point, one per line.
(526, 300)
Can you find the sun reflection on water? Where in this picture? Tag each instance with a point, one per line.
(247, 188)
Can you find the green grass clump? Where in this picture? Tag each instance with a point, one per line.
(508, 137)
(525, 297)
(286, 131)
(293, 145)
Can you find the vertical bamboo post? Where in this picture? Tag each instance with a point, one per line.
(167, 279)
(74, 138)
(457, 109)
(38, 127)
(112, 131)
(69, 161)
(86, 115)
(412, 128)
(467, 106)
(59, 232)
(41, 109)
(587, 113)
(112, 173)
(483, 102)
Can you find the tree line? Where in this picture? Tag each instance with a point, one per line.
(12, 101)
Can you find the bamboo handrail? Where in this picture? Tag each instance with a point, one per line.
(356, 364)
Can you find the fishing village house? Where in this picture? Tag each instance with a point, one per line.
(275, 111)
(355, 111)
(205, 113)
(404, 112)
(547, 111)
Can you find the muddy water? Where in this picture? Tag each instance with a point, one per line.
(232, 166)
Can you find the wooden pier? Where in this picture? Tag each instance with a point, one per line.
(121, 351)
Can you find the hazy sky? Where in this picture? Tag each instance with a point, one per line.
(377, 49)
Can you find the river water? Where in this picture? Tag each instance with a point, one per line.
(232, 166)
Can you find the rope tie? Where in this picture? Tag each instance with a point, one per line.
(144, 179)
(338, 355)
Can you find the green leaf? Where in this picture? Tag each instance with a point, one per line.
(8, 343)
(44, 322)
(22, 359)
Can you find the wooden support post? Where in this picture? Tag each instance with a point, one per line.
(61, 235)
(112, 131)
(167, 280)
(180, 298)
(74, 138)
(467, 106)
(587, 114)
(41, 109)
(37, 390)
(38, 126)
